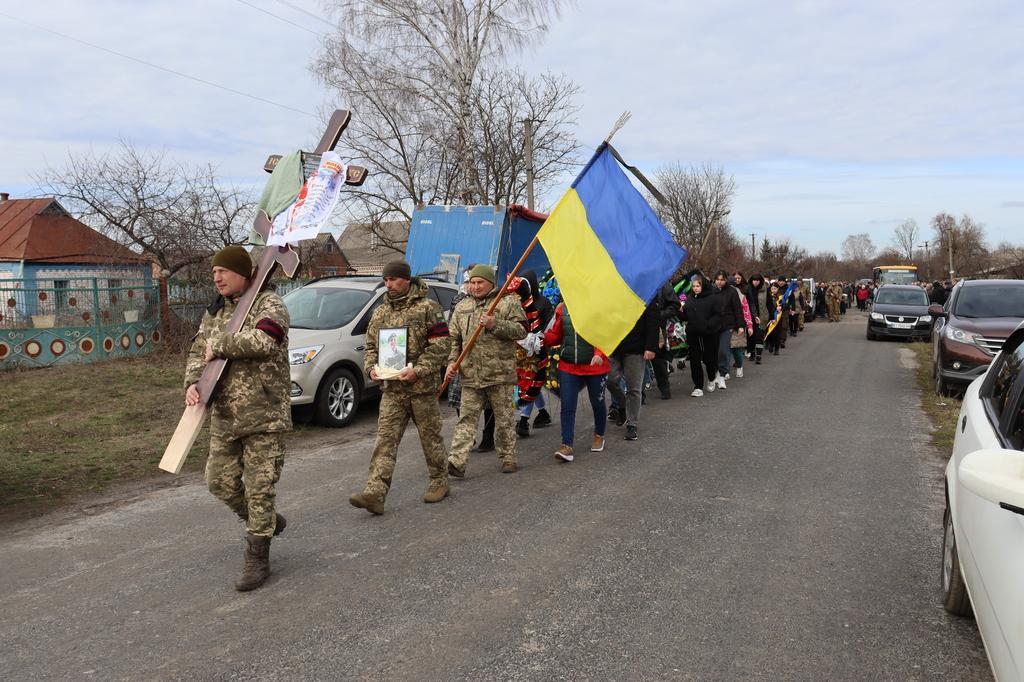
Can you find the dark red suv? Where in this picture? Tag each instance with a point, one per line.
(971, 327)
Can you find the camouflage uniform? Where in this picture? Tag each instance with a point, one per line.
(833, 295)
(250, 410)
(488, 373)
(427, 350)
(802, 300)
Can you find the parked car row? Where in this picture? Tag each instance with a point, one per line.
(966, 332)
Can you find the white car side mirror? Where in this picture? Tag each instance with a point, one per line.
(995, 475)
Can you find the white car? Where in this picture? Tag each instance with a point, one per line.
(983, 538)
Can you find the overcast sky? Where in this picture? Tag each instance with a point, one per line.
(834, 117)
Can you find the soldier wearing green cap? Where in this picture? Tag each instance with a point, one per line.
(251, 410)
(413, 393)
(489, 369)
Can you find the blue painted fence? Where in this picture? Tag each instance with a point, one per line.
(78, 321)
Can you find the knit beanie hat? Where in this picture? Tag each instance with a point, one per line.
(399, 269)
(483, 272)
(234, 258)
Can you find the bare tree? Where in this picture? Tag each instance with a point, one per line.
(697, 199)
(175, 214)
(905, 239)
(419, 65)
(858, 249)
(962, 246)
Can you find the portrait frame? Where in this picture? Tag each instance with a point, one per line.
(392, 351)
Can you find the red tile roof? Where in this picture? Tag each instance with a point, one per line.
(40, 230)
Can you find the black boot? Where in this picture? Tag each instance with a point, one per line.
(257, 563)
(757, 358)
(542, 419)
(523, 427)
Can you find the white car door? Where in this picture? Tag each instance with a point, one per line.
(990, 512)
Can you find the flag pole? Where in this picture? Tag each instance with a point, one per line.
(619, 123)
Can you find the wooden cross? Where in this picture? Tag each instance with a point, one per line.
(273, 256)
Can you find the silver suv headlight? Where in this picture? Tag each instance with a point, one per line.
(925, 318)
(300, 356)
(954, 334)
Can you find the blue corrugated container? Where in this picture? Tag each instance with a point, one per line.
(447, 239)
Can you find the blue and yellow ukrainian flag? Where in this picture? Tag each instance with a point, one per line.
(608, 251)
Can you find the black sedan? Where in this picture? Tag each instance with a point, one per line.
(900, 311)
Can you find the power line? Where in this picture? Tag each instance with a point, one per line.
(306, 12)
(157, 66)
(279, 17)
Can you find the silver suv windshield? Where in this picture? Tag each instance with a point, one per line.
(324, 307)
(991, 301)
(902, 297)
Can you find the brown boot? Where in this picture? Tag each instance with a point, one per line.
(368, 501)
(436, 491)
(257, 563)
(509, 467)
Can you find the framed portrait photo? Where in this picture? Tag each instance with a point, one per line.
(392, 351)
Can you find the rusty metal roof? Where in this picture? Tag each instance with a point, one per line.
(40, 230)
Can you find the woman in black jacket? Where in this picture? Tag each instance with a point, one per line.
(703, 315)
(732, 318)
(774, 339)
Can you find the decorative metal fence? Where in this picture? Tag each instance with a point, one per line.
(52, 322)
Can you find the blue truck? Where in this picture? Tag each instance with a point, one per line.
(445, 240)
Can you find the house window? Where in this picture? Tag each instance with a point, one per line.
(113, 283)
(329, 247)
(60, 293)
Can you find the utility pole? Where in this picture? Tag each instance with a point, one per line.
(928, 261)
(949, 241)
(753, 251)
(528, 130)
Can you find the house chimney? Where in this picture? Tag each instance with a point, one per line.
(4, 196)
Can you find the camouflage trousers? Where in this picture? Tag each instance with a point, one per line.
(801, 320)
(833, 311)
(501, 398)
(395, 411)
(241, 472)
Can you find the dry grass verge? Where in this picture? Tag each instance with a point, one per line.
(942, 411)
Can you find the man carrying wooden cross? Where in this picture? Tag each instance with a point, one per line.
(250, 411)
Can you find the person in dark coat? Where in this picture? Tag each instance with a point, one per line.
(629, 360)
(703, 316)
(668, 307)
(757, 301)
(732, 318)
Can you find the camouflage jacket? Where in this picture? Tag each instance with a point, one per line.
(492, 359)
(834, 292)
(427, 346)
(253, 394)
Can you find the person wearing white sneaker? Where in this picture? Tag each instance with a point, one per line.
(696, 393)
(739, 372)
(720, 382)
(702, 312)
(580, 366)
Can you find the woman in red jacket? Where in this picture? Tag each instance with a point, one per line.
(580, 365)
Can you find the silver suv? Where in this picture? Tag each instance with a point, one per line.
(327, 341)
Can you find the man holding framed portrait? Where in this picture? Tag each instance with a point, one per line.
(407, 345)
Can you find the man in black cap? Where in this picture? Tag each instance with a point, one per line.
(413, 394)
(251, 411)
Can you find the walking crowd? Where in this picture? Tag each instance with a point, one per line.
(496, 357)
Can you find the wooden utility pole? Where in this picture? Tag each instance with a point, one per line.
(528, 131)
(753, 250)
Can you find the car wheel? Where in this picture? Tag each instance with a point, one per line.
(337, 400)
(954, 592)
(941, 386)
(869, 335)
